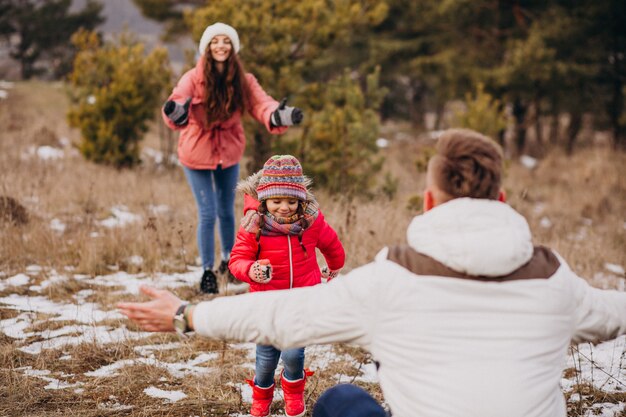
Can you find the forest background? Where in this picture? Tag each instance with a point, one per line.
(90, 189)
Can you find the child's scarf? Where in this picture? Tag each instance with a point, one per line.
(277, 226)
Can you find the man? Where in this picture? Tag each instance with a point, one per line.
(468, 319)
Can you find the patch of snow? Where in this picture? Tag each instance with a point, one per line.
(53, 278)
(158, 209)
(34, 269)
(132, 282)
(148, 350)
(65, 142)
(156, 156)
(7, 84)
(435, 134)
(16, 326)
(57, 225)
(49, 153)
(528, 161)
(605, 410)
(113, 405)
(120, 216)
(170, 396)
(82, 295)
(539, 208)
(53, 383)
(177, 370)
(84, 313)
(4, 95)
(545, 223)
(91, 334)
(135, 260)
(600, 365)
(94, 234)
(574, 398)
(18, 280)
(614, 268)
(382, 143)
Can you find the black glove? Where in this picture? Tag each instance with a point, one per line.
(177, 113)
(286, 115)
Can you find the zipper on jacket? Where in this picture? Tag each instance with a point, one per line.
(290, 262)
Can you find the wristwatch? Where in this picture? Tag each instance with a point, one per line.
(181, 325)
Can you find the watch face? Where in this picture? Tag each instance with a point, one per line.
(179, 324)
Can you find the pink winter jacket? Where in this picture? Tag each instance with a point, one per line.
(221, 143)
(290, 267)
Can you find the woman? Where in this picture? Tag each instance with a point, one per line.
(206, 106)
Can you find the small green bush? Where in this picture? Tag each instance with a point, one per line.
(339, 141)
(484, 113)
(116, 89)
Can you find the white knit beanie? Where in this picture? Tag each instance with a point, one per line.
(219, 29)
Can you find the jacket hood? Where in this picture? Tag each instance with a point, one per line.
(248, 186)
(474, 236)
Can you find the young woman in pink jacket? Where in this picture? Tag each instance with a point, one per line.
(206, 107)
(275, 250)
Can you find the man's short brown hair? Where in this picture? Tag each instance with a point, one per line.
(467, 164)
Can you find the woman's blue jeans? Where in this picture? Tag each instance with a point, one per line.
(214, 192)
(267, 360)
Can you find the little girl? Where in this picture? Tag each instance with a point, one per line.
(275, 250)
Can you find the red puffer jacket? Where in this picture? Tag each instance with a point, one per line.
(291, 268)
(222, 143)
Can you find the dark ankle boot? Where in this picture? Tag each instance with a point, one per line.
(208, 282)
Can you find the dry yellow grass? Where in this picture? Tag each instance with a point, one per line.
(583, 197)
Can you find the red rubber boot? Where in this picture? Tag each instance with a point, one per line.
(261, 399)
(293, 391)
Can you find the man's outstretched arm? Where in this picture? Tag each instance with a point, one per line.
(341, 311)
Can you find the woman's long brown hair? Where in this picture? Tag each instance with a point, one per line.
(225, 92)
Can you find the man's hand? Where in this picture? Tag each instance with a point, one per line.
(156, 315)
(261, 271)
(177, 113)
(286, 115)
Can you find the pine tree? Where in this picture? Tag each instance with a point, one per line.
(116, 88)
(289, 44)
(43, 30)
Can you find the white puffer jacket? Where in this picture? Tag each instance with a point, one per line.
(469, 320)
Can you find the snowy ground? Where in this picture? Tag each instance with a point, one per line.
(603, 366)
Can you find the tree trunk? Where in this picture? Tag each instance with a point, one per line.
(519, 115)
(573, 129)
(538, 126)
(616, 109)
(553, 134)
(439, 115)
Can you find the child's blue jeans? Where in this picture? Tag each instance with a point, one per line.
(214, 192)
(267, 360)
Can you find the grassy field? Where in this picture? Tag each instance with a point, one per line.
(73, 233)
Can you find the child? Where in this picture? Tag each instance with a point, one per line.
(275, 250)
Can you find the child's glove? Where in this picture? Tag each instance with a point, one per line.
(329, 274)
(261, 271)
(176, 112)
(286, 115)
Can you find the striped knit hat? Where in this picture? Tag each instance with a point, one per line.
(282, 178)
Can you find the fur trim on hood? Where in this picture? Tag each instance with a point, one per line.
(248, 186)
